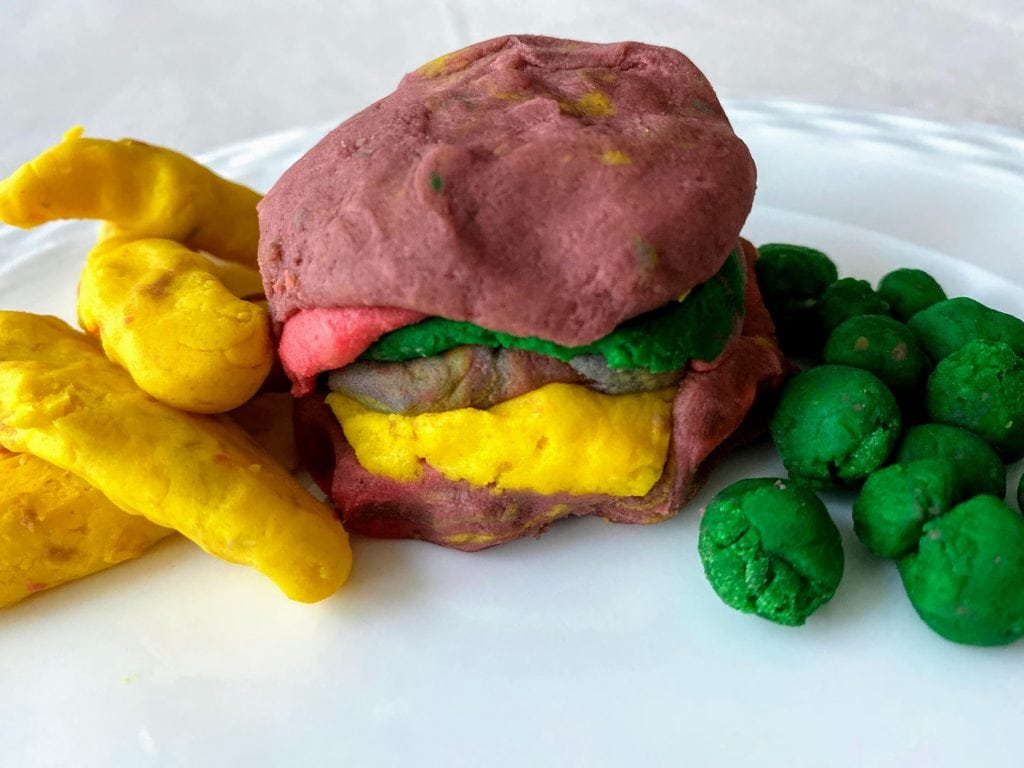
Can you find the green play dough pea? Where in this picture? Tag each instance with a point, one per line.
(792, 279)
(787, 272)
(898, 500)
(980, 387)
(966, 580)
(978, 469)
(848, 298)
(835, 425)
(769, 547)
(883, 346)
(662, 340)
(945, 327)
(908, 291)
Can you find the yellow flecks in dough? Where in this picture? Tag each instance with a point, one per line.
(556, 512)
(558, 438)
(682, 296)
(592, 104)
(616, 157)
(512, 95)
(446, 64)
(435, 67)
(469, 538)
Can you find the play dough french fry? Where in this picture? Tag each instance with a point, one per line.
(55, 528)
(140, 191)
(244, 282)
(163, 315)
(63, 401)
(175, 319)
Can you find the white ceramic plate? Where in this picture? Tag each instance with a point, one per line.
(594, 645)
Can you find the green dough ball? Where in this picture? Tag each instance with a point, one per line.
(945, 327)
(896, 501)
(978, 469)
(908, 291)
(661, 340)
(884, 346)
(835, 425)
(786, 271)
(792, 279)
(769, 547)
(980, 387)
(848, 298)
(966, 581)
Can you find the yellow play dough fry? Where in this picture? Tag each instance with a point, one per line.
(63, 401)
(163, 315)
(140, 190)
(54, 528)
(244, 282)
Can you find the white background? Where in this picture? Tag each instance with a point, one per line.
(194, 74)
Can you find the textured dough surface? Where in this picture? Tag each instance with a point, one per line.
(55, 527)
(980, 387)
(619, 156)
(979, 468)
(896, 501)
(946, 326)
(769, 547)
(835, 425)
(966, 580)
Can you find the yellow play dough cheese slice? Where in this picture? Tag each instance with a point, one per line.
(560, 438)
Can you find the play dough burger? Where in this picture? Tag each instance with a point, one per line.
(514, 290)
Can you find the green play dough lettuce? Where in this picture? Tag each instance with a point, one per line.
(664, 339)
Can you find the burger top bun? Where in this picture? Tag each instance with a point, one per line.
(530, 185)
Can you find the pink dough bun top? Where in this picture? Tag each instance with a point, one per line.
(530, 185)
